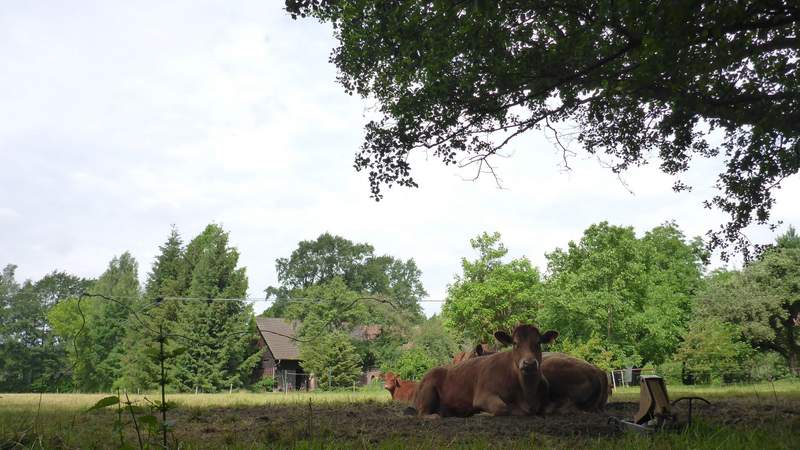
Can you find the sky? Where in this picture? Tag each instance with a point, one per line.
(120, 119)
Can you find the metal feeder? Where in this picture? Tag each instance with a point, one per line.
(655, 410)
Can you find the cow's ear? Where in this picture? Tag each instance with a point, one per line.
(479, 349)
(503, 337)
(549, 337)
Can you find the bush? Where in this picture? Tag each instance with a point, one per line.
(594, 351)
(263, 385)
(711, 347)
(672, 371)
(333, 359)
(412, 364)
(768, 366)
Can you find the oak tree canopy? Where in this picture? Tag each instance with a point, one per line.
(637, 81)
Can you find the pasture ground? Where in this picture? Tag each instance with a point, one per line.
(748, 416)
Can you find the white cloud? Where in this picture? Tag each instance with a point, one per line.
(119, 120)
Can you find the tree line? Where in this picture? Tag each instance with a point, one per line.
(68, 333)
(618, 300)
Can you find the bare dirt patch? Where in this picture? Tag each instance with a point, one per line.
(372, 423)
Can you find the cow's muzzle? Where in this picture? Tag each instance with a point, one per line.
(529, 366)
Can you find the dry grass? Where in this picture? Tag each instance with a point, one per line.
(779, 389)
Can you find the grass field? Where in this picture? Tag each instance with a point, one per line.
(748, 416)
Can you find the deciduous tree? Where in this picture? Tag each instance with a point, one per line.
(634, 293)
(490, 294)
(93, 328)
(762, 301)
(638, 82)
(320, 261)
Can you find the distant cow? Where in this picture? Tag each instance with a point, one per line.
(574, 381)
(401, 390)
(504, 383)
(479, 350)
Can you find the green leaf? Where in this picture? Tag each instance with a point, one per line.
(137, 409)
(104, 402)
(149, 420)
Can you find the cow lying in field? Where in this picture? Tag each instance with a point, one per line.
(401, 390)
(574, 381)
(505, 383)
(571, 381)
(479, 350)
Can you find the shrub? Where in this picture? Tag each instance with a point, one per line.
(596, 352)
(712, 347)
(333, 359)
(412, 364)
(263, 385)
(672, 371)
(768, 366)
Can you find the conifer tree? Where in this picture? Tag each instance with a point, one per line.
(141, 367)
(219, 334)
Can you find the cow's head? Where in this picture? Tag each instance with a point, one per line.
(482, 350)
(527, 346)
(391, 382)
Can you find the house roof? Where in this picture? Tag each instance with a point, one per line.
(366, 332)
(278, 333)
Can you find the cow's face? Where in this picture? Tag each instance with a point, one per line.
(391, 382)
(527, 346)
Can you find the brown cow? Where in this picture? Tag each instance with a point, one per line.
(501, 384)
(574, 381)
(479, 350)
(401, 390)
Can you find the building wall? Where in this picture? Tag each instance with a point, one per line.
(268, 364)
(289, 371)
(370, 375)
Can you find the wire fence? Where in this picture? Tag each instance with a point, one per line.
(630, 377)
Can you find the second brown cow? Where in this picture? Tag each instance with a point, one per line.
(479, 350)
(401, 390)
(573, 381)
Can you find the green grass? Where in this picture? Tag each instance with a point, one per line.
(753, 416)
(789, 388)
(75, 402)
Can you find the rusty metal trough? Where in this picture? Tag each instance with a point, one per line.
(655, 410)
